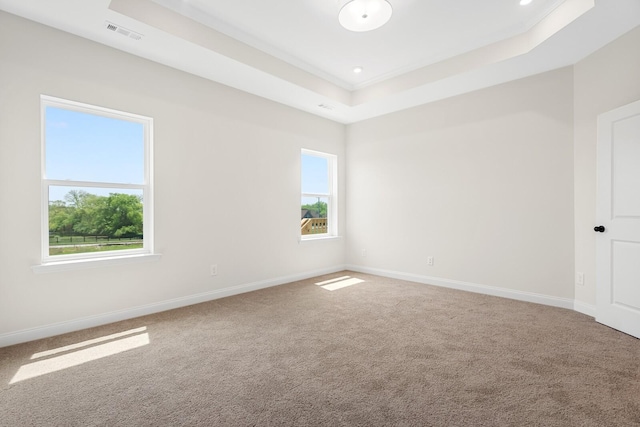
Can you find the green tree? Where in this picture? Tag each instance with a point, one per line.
(320, 208)
(86, 214)
(76, 198)
(121, 215)
(60, 217)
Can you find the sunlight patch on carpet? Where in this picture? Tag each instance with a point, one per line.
(79, 357)
(339, 283)
(87, 343)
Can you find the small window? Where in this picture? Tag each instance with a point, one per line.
(318, 213)
(96, 182)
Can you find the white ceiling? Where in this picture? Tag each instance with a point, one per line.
(420, 32)
(296, 53)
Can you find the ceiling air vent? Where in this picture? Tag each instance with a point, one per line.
(122, 31)
(325, 106)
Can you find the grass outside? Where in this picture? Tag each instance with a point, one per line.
(79, 240)
(93, 248)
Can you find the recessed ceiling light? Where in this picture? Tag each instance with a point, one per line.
(357, 70)
(524, 2)
(365, 15)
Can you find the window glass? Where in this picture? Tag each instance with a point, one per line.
(89, 147)
(315, 174)
(96, 181)
(92, 219)
(317, 204)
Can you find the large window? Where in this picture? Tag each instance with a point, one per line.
(318, 213)
(96, 182)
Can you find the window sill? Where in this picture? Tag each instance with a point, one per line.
(318, 239)
(76, 264)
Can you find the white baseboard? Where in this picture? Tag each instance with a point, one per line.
(51, 330)
(584, 308)
(470, 287)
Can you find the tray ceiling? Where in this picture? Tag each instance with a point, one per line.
(296, 52)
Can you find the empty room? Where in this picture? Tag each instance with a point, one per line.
(320, 212)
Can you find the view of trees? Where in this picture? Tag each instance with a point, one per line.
(85, 214)
(319, 207)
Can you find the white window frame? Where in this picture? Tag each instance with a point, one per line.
(146, 186)
(332, 196)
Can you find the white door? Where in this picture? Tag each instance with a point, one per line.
(618, 211)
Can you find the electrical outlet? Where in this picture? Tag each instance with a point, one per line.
(429, 260)
(364, 253)
(214, 269)
(580, 278)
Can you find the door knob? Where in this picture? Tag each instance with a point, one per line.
(599, 229)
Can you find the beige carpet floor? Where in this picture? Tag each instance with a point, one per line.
(380, 352)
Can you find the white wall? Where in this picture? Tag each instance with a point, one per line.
(607, 79)
(483, 182)
(227, 187)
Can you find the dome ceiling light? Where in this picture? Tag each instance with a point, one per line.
(365, 15)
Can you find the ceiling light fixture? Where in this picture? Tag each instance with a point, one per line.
(357, 70)
(365, 15)
(524, 2)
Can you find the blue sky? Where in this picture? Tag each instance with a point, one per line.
(315, 177)
(315, 174)
(87, 147)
